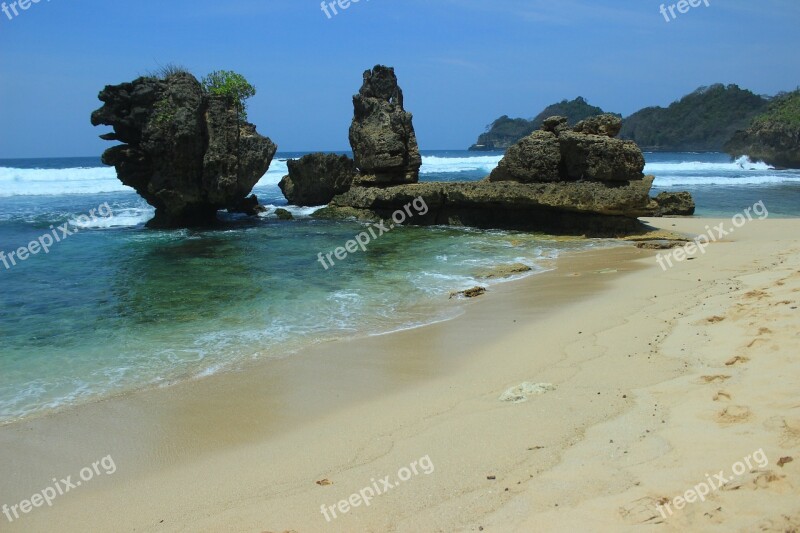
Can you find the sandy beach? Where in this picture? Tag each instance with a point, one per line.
(641, 385)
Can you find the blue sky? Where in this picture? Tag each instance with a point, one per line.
(461, 63)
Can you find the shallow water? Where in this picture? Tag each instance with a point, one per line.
(116, 307)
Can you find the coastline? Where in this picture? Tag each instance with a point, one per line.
(264, 436)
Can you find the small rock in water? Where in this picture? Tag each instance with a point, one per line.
(469, 293)
(521, 392)
(283, 214)
(504, 271)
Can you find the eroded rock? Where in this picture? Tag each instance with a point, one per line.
(382, 134)
(186, 152)
(315, 179)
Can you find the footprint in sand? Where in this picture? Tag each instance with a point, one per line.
(757, 294)
(755, 480)
(780, 525)
(761, 332)
(737, 360)
(787, 428)
(643, 511)
(722, 395)
(734, 414)
(714, 379)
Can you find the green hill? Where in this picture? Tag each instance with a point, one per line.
(774, 136)
(702, 121)
(506, 131)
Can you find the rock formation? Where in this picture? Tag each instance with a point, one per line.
(186, 152)
(382, 135)
(773, 137)
(674, 204)
(579, 208)
(587, 152)
(556, 180)
(315, 179)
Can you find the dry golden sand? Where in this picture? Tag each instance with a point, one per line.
(659, 379)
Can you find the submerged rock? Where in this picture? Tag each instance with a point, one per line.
(504, 271)
(382, 135)
(315, 179)
(283, 214)
(474, 292)
(186, 152)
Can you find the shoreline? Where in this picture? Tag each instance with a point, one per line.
(266, 436)
(444, 312)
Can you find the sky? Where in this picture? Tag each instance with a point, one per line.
(461, 63)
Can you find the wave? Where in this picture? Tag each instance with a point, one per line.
(98, 180)
(437, 165)
(120, 218)
(57, 182)
(735, 181)
(86, 180)
(743, 163)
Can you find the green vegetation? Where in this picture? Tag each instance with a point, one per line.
(170, 69)
(232, 85)
(506, 131)
(772, 136)
(165, 111)
(702, 121)
(784, 108)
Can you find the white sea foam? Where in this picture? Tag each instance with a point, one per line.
(436, 164)
(121, 218)
(96, 180)
(743, 163)
(56, 182)
(756, 179)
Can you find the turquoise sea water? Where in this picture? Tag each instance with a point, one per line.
(116, 307)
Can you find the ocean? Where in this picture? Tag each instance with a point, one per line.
(115, 307)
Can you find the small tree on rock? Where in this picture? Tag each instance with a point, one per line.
(233, 85)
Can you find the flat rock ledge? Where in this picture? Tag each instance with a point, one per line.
(588, 208)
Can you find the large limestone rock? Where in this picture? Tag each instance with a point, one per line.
(187, 153)
(587, 208)
(674, 204)
(536, 158)
(587, 152)
(315, 179)
(382, 135)
(556, 180)
(607, 124)
(599, 158)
